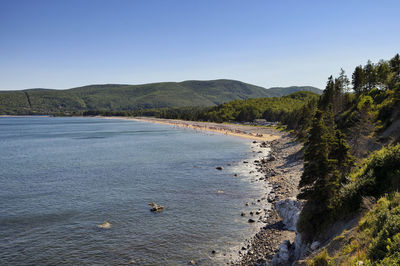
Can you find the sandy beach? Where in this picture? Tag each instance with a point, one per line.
(258, 133)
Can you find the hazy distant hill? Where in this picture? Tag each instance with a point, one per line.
(119, 97)
(280, 91)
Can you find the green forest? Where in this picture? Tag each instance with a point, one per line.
(145, 99)
(351, 154)
(351, 137)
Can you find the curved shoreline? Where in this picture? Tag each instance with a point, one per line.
(281, 170)
(237, 130)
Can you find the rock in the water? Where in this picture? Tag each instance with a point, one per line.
(105, 225)
(213, 252)
(245, 162)
(219, 168)
(154, 207)
(192, 262)
(251, 221)
(243, 214)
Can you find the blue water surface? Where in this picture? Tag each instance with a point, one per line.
(62, 177)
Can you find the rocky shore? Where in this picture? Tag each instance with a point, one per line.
(282, 170)
(278, 166)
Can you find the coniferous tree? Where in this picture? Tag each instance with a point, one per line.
(395, 67)
(328, 94)
(316, 160)
(383, 75)
(370, 76)
(340, 152)
(342, 82)
(358, 80)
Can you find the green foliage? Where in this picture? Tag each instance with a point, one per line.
(316, 161)
(322, 259)
(379, 175)
(271, 109)
(375, 241)
(116, 98)
(328, 160)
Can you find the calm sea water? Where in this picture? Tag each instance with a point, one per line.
(62, 177)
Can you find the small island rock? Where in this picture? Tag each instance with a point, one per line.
(154, 207)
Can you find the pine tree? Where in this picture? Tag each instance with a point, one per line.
(316, 161)
(343, 82)
(358, 80)
(395, 67)
(383, 75)
(370, 75)
(328, 94)
(340, 152)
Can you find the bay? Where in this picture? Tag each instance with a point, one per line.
(62, 177)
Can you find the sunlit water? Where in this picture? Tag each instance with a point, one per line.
(62, 177)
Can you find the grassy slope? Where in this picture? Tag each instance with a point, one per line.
(376, 238)
(117, 97)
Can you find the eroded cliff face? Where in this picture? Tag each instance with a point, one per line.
(289, 210)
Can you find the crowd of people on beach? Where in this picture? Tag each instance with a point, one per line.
(222, 129)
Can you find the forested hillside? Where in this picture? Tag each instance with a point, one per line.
(351, 136)
(126, 98)
(271, 109)
(342, 172)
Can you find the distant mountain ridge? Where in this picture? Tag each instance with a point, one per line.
(280, 91)
(121, 97)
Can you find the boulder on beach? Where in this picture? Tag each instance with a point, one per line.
(219, 168)
(289, 210)
(154, 207)
(251, 221)
(105, 225)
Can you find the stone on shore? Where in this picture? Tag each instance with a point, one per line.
(283, 255)
(289, 210)
(219, 168)
(251, 221)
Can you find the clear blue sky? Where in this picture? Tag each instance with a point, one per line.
(63, 44)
